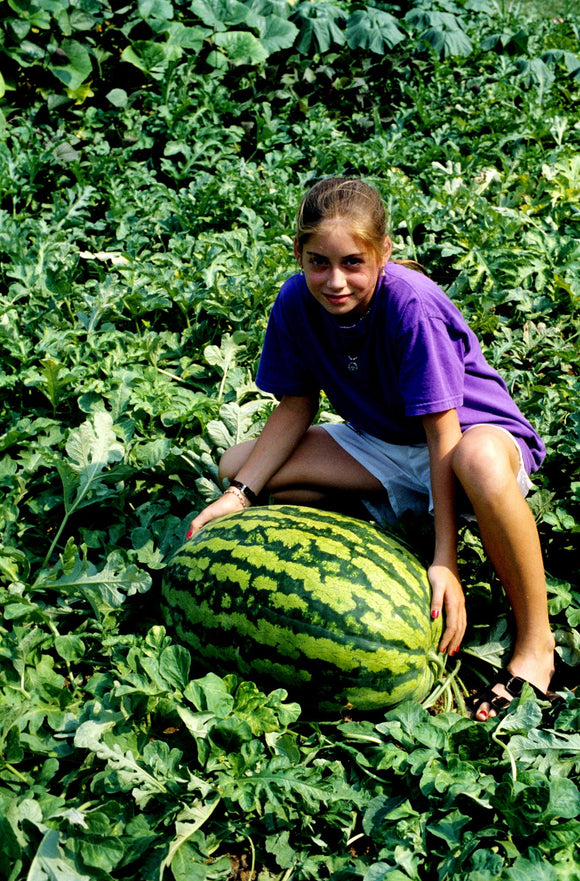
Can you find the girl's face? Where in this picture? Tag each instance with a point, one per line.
(341, 271)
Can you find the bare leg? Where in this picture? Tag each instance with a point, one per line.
(486, 464)
(318, 467)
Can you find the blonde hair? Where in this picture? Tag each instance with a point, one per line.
(348, 199)
(352, 200)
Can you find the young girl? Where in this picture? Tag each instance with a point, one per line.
(427, 420)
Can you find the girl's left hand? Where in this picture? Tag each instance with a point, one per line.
(447, 595)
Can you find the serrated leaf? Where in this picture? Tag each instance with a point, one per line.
(106, 588)
(238, 423)
(129, 770)
(93, 446)
(545, 748)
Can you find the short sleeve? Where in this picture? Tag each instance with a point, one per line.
(432, 363)
(283, 369)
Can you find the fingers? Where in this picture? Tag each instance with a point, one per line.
(226, 504)
(448, 598)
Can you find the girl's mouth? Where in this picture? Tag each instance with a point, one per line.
(337, 299)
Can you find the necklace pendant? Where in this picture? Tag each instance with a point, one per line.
(352, 363)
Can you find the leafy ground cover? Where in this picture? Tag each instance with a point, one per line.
(151, 159)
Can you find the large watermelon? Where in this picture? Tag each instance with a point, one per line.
(325, 605)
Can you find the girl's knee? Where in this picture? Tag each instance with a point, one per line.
(481, 458)
(232, 460)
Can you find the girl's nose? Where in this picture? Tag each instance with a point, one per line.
(336, 279)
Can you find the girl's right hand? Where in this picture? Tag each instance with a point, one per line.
(226, 504)
(448, 596)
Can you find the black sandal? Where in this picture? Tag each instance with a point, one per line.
(512, 684)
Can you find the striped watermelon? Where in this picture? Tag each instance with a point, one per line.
(324, 605)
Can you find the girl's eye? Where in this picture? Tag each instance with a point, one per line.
(318, 260)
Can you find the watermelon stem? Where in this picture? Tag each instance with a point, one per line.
(253, 852)
(448, 686)
(505, 747)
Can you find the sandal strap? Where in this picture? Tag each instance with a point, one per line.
(512, 684)
(487, 696)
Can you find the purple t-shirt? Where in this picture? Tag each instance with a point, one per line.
(411, 355)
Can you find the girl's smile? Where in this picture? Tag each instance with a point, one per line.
(340, 270)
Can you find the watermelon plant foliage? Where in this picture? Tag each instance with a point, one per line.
(151, 158)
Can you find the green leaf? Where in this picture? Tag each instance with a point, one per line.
(535, 867)
(373, 29)
(564, 798)
(220, 14)
(162, 9)
(545, 749)
(319, 27)
(189, 865)
(241, 47)
(118, 97)
(70, 647)
(150, 57)
(211, 694)
(74, 64)
(10, 852)
(51, 864)
(104, 589)
(237, 423)
(92, 447)
(224, 356)
(443, 32)
(174, 666)
(276, 33)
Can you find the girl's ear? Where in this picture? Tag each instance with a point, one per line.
(388, 250)
(297, 250)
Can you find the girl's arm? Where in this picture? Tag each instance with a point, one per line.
(280, 436)
(443, 434)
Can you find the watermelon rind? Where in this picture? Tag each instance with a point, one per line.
(327, 606)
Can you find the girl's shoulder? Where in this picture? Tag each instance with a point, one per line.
(413, 296)
(403, 286)
(292, 304)
(293, 289)
(407, 282)
(409, 277)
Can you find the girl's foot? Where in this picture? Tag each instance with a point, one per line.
(509, 684)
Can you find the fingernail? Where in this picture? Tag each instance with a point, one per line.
(483, 715)
(435, 613)
(189, 534)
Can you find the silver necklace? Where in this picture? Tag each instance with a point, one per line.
(352, 362)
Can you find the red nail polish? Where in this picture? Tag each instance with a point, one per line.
(435, 613)
(189, 534)
(484, 715)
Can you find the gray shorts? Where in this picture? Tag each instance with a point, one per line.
(403, 470)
